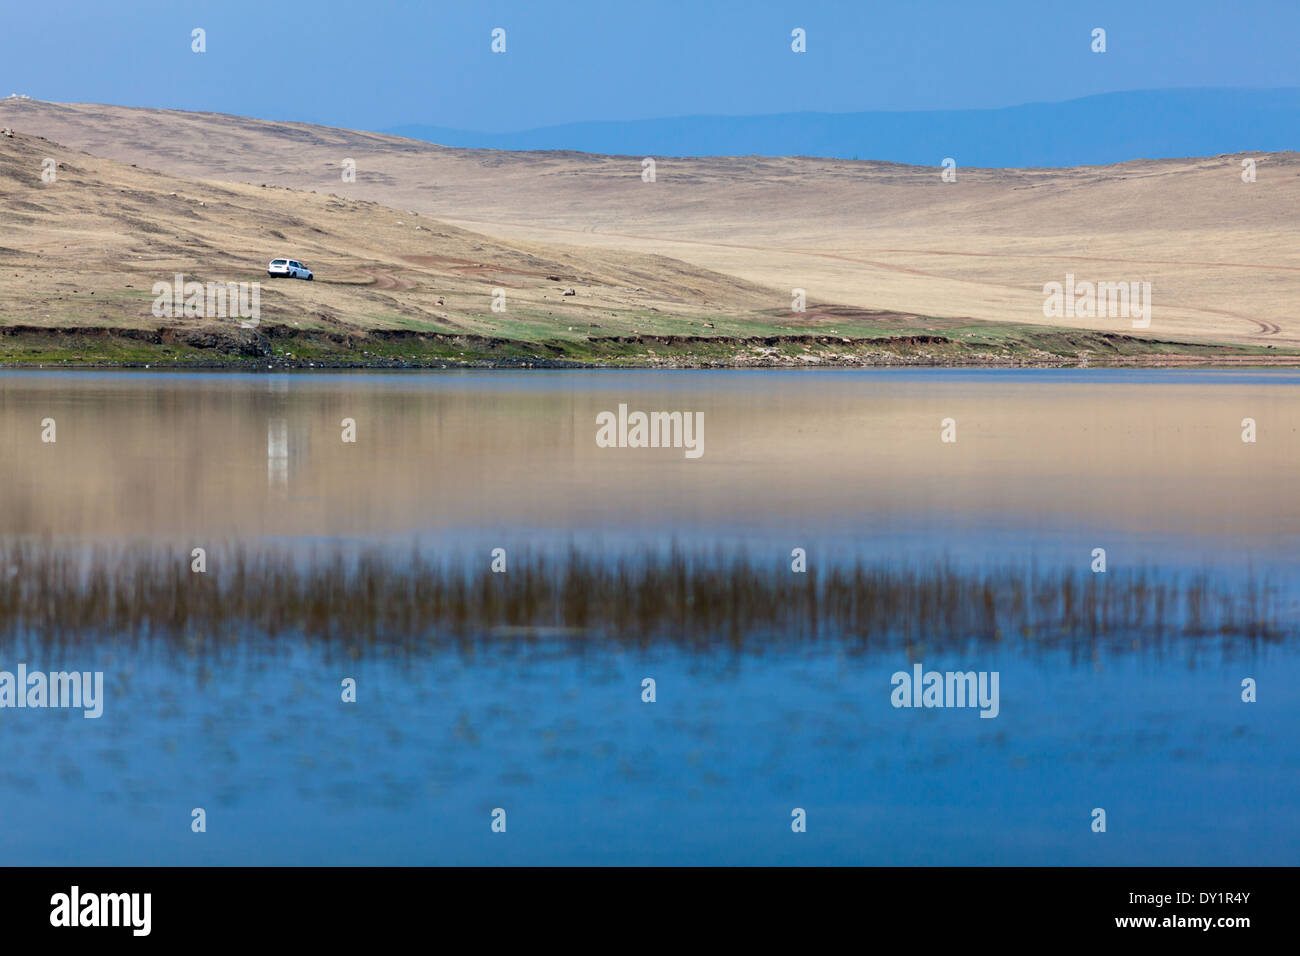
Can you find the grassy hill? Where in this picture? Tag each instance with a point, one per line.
(79, 257)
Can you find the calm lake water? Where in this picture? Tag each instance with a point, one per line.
(847, 465)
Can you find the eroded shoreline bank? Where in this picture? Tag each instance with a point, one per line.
(279, 346)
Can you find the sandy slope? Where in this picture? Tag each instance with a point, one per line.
(1223, 256)
(87, 248)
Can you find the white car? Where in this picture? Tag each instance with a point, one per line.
(288, 268)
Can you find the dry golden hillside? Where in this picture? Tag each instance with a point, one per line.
(1222, 255)
(85, 250)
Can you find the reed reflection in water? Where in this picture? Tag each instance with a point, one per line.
(364, 596)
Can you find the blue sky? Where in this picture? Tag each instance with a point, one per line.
(377, 64)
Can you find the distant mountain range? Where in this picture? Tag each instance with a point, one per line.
(1095, 130)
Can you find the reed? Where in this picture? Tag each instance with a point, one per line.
(370, 597)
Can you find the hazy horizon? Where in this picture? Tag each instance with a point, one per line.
(1140, 124)
(1136, 124)
(583, 61)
